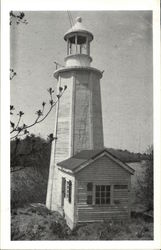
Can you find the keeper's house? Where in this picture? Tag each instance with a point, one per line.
(95, 187)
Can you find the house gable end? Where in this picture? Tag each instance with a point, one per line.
(108, 155)
(76, 164)
(102, 168)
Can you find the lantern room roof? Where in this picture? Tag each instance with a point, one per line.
(78, 28)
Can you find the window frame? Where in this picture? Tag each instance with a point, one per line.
(69, 191)
(92, 194)
(100, 190)
(114, 187)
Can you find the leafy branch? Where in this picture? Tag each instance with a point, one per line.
(18, 17)
(12, 74)
(18, 130)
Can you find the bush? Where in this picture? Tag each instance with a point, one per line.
(60, 229)
(38, 223)
(145, 184)
(28, 186)
(110, 229)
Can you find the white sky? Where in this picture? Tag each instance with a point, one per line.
(122, 47)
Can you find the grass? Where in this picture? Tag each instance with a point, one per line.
(38, 223)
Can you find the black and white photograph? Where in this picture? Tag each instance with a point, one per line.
(82, 111)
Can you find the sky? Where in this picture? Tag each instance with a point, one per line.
(122, 47)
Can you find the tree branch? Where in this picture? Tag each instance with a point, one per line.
(24, 128)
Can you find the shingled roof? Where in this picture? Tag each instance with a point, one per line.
(74, 162)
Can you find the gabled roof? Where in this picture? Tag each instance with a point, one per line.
(85, 157)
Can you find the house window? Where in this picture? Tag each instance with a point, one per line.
(102, 194)
(69, 191)
(89, 193)
(89, 199)
(64, 187)
(89, 186)
(120, 186)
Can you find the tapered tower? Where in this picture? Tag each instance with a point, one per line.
(78, 123)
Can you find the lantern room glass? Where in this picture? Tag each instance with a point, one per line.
(78, 44)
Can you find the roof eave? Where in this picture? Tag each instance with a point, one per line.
(82, 32)
(97, 156)
(68, 171)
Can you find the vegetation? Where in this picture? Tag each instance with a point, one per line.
(145, 183)
(126, 156)
(30, 152)
(19, 129)
(29, 175)
(17, 17)
(38, 223)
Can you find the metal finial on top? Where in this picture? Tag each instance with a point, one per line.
(79, 19)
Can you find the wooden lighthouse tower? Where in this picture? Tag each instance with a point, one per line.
(85, 180)
(78, 124)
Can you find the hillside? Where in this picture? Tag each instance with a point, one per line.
(127, 156)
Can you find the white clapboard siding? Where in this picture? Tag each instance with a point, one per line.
(62, 150)
(103, 169)
(103, 172)
(88, 216)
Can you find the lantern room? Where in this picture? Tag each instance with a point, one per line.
(78, 40)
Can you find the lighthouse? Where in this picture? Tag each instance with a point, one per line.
(85, 180)
(78, 123)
